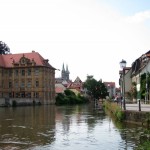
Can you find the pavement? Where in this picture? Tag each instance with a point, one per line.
(135, 107)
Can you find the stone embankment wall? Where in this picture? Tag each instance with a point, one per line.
(138, 117)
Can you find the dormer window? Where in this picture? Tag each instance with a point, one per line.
(23, 61)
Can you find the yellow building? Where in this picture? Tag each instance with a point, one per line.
(26, 78)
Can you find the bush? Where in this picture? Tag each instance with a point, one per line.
(69, 93)
(115, 110)
(70, 98)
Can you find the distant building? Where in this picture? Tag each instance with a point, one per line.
(64, 79)
(111, 88)
(59, 88)
(65, 73)
(76, 86)
(26, 78)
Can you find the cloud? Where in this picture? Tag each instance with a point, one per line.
(139, 17)
(89, 36)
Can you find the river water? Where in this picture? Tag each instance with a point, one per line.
(63, 128)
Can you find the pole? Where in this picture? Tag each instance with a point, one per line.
(139, 93)
(124, 103)
(146, 89)
(139, 105)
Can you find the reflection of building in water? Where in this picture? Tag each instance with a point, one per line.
(32, 125)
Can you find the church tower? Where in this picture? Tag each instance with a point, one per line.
(65, 73)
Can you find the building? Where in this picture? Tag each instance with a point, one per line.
(132, 79)
(26, 78)
(128, 80)
(139, 67)
(65, 73)
(111, 88)
(59, 88)
(76, 86)
(64, 79)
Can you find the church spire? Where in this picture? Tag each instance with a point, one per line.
(67, 69)
(63, 68)
(65, 73)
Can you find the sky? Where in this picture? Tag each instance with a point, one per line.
(90, 36)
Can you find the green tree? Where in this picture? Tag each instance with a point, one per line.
(95, 88)
(143, 84)
(4, 49)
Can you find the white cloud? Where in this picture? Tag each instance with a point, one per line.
(139, 17)
(89, 36)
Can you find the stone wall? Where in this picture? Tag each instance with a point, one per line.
(138, 117)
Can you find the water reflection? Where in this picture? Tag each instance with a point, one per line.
(23, 127)
(64, 127)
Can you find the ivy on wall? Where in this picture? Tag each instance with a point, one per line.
(143, 84)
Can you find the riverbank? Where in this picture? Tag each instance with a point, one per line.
(131, 116)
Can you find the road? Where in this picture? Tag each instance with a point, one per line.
(144, 107)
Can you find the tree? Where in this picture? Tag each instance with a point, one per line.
(95, 88)
(143, 84)
(4, 49)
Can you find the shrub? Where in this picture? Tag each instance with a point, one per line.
(69, 92)
(115, 110)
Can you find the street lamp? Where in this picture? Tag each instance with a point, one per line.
(123, 65)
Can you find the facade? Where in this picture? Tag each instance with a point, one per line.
(128, 80)
(133, 75)
(139, 67)
(59, 88)
(76, 86)
(111, 88)
(26, 78)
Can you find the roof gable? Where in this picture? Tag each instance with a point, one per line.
(23, 59)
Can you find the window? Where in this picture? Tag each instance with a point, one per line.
(28, 95)
(17, 95)
(36, 71)
(2, 84)
(23, 61)
(22, 84)
(22, 94)
(2, 73)
(23, 72)
(36, 95)
(10, 73)
(10, 95)
(29, 72)
(36, 83)
(16, 84)
(29, 84)
(10, 84)
(16, 72)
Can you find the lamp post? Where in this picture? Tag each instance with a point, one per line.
(123, 65)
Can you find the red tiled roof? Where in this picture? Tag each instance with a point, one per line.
(7, 60)
(59, 90)
(111, 84)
